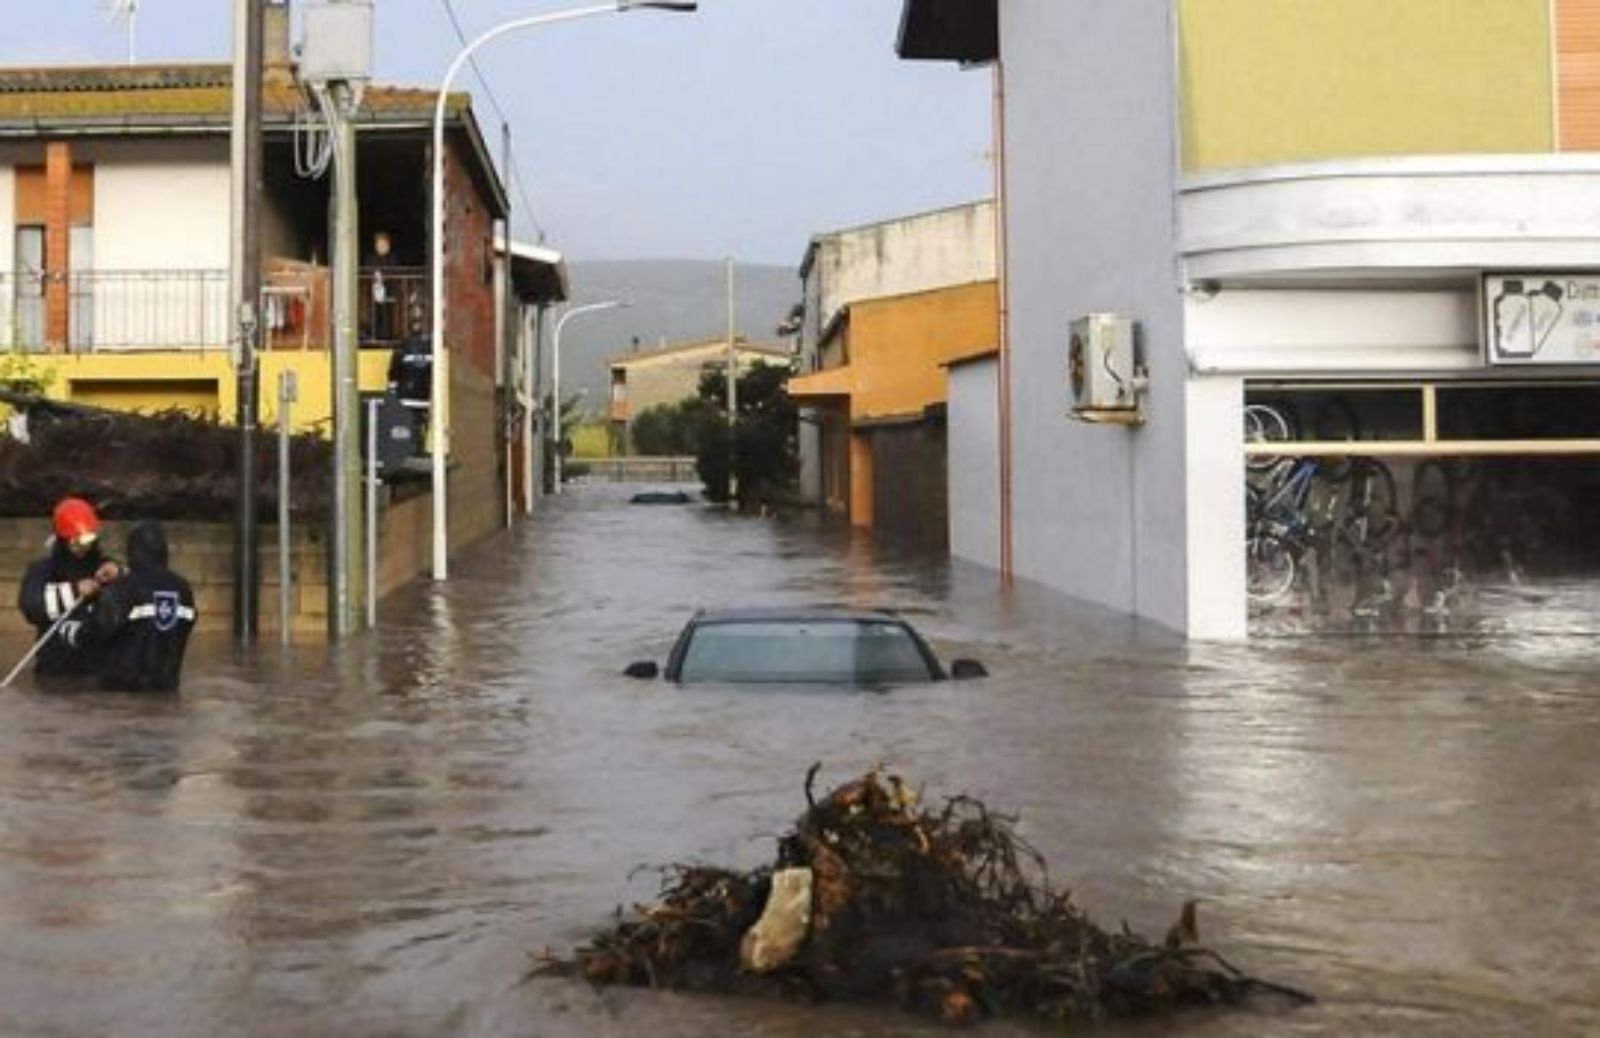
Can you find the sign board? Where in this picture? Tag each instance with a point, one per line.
(1541, 318)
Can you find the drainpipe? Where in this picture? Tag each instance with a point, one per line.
(1003, 295)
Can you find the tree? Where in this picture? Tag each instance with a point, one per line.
(673, 429)
(765, 451)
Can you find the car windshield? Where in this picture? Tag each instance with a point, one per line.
(838, 651)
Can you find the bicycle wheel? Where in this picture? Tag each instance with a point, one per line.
(1264, 423)
(1432, 507)
(1270, 568)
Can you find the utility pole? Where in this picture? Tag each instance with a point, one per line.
(249, 18)
(345, 577)
(733, 387)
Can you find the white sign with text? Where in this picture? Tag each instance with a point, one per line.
(1541, 318)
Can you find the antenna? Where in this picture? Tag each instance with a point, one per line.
(127, 10)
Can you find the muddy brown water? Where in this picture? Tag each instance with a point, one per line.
(373, 840)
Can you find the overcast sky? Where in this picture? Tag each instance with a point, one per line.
(740, 130)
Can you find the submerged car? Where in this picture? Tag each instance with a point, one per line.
(802, 646)
(660, 497)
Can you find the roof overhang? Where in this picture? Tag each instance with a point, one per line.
(820, 386)
(538, 274)
(967, 31)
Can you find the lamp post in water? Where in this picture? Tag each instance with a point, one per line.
(438, 415)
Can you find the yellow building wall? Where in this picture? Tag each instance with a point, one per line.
(898, 346)
(1263, 83)
(201, 382)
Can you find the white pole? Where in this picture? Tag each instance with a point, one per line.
(372, 511)
(530, 401)
(555, 371)
(239, 187)
(439, 420)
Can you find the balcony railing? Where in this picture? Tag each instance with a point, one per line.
(118, 310)
(188, 310)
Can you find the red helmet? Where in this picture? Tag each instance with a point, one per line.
(75, 520)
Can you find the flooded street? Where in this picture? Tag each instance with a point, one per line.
(374, 840)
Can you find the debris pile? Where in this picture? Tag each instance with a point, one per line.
(874, 898)
(169, 465)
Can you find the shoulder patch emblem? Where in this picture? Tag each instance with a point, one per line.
(166, 603)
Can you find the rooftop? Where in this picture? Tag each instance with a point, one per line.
(198, 96)
(744, 345)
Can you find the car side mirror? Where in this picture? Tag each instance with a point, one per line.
(643, 669)
(961, 670)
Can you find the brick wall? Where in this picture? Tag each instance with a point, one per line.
(476, 476)
(57, 239)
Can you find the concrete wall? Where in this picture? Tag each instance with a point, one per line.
(1305, 79)
(974, 463)
(8, 208)
(1098, 512)
(160, 207)
(896, 257)
(203, 553)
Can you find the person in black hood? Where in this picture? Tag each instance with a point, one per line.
(144, 619)
(59, 593)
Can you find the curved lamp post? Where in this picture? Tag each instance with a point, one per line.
(555, 371)
(437, 416)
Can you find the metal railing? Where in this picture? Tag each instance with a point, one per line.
(393, 303)
(121, 310)
(147, 310)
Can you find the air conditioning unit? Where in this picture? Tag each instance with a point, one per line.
(1105, 372)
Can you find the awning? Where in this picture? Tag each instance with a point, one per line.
(820, 386)
(538, 274)
(967, 31)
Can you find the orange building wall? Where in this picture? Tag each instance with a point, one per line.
(861, 480)
(898, 346)
(1578, 74)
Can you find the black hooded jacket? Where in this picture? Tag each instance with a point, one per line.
(144, 618)
(49, 591)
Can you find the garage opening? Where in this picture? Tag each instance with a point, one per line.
(1448, 506)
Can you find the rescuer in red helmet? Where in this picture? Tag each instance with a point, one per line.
(61, 587)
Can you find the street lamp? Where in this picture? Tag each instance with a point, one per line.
(438, 419)
(555, 371)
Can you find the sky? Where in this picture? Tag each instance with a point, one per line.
(738, 131)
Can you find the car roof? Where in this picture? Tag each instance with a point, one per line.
(770, 614)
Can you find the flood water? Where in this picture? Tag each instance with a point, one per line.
(373, 840)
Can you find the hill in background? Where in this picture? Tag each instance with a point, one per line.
(673, 301)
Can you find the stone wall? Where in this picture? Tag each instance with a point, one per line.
(203, 553)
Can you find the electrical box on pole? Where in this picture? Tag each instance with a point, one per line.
(335, 65)
(337, 42)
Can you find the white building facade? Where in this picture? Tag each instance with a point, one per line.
(1270, 268)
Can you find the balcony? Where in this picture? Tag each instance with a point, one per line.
(1415, 218)
(133, 311)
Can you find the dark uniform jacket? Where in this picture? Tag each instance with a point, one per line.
(49, 591)
(144, 618)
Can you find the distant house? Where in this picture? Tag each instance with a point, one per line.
(115, 247)
(670, 373)
(888, 308)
